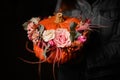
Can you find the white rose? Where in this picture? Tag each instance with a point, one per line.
(48, 35)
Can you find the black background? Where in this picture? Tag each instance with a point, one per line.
(14, 14)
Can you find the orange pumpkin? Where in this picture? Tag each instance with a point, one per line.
(54, 22)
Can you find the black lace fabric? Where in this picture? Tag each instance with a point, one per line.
(101, 54)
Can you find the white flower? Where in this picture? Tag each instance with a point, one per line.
(35, 20)
(48, 35)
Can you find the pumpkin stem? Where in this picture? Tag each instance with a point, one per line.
(59, 18)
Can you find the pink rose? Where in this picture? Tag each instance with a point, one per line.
(62, 38)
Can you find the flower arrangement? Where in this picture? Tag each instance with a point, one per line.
(56, 38)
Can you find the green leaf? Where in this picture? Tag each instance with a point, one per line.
(73, 32)
(25, 25)
(41, 29)
(72, 26)
(72, 35)
(77, 34)
(45, 50)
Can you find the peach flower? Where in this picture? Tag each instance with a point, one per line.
(48, 35)
(62, 38)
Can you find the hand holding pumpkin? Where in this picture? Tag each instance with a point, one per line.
(55, 38)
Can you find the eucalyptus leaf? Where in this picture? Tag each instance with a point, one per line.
(25, 25)
(41, 29)
(77, 34)
(72, 26)
(72, 35)
(45, 50)
(72, 31)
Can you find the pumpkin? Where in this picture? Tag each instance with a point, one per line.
(57, 54)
